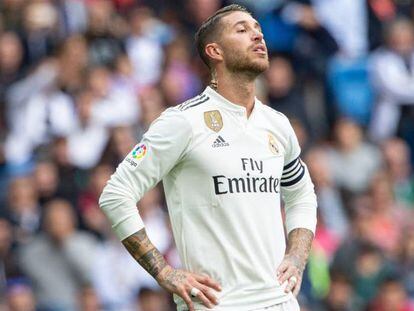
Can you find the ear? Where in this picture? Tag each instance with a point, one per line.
(214, 51)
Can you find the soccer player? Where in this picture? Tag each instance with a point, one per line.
(225, 160)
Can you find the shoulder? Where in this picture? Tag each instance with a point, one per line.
(273, 113)
(276, 119)
(191, 104)
(180, 119)
(189, 111)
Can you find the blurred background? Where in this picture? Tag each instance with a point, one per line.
(80, 82)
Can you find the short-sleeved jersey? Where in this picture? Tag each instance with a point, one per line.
(223, 176)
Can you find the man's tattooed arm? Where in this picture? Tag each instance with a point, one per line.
(299, 245)
(173, 280)
(141, 248)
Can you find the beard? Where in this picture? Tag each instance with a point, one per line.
(238, 62)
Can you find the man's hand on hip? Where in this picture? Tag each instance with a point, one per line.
(186, 284)
(293, 264)
(291, 270)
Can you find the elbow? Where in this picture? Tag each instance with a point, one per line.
(103, 199)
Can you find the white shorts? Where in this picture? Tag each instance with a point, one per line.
(290, 305)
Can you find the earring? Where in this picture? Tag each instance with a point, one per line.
(214, 84)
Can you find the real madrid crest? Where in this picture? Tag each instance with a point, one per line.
(272, 144)
(213, 120)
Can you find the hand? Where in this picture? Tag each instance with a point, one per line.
(291, 270)
(181, 282)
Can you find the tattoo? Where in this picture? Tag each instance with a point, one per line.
(299, 245)
(175, 277)
(152, 261)
(145, 253)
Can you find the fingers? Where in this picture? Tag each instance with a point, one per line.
(206, 280)
(183, 282)
(293, 283)
(297, 288)
(203, 298)
(206, 291)
(281, 270)
(186, 297)
(290, 271)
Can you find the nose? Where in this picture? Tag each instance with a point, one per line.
(257, 36)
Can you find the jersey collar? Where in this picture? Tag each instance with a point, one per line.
(223, 102)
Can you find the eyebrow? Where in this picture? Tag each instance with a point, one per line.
(244, 22)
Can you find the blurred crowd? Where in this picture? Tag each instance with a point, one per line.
(81, 81)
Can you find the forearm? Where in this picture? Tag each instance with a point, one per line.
(145, 253)
(176, 281)
(299, 245)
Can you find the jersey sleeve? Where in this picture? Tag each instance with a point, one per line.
(162, 147)
(297, 188)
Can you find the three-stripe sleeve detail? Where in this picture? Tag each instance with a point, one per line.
(292, 173)
(194, 102)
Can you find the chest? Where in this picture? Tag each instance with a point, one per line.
(240, 157)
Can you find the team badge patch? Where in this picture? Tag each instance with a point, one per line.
(136, 156)
(139, 152)
(213, 120)
(272, 144)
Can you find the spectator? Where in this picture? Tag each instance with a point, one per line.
(46, 180)
(120, 144)
(8, 268)
(146, 66)
(23, 209)
(392, 296)
(152, 300)
(284, 93)
(153, 104)
(20, 296)
(89, 300)
(396, 154)
(72, 16)
(92, 216)
(71, 64)
(371, 269)
(80, 152)
(341, 296)
(115, 105)
(350, 151)
(40, 24)
(330, 205)
(47, 114)
(393, 78)
(179, 81)
(388, 219)
(406, 260)
(11, 62)
(11, 12)
(59, 260)
(104, 33)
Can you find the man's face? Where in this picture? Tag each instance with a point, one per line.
(241, 39)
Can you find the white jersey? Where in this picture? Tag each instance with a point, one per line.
(223, 176)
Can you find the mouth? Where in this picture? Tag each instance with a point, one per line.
(260, 49)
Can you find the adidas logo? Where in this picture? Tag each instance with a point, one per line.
(220, 142)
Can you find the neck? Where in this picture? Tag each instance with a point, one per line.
(237, 88)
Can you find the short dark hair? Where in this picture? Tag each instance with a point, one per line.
(209, 28)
